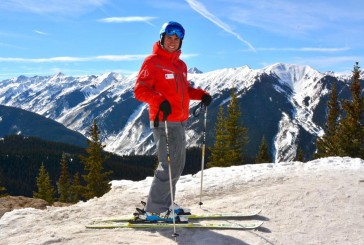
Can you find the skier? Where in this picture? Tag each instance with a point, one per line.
(162, 83)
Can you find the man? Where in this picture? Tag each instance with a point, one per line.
(162, 83)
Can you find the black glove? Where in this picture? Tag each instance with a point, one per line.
(206, 99)
(166, 108)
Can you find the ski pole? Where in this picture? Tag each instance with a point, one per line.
(203, 152)
(170, 179)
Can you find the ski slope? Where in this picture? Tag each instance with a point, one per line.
(318, 202)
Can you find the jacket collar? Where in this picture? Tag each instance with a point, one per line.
(159, 50)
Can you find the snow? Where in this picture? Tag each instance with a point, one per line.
(295, 76)
(134, 133)
(307, 93)
(224, 79)
(318, 202)
(286, 138)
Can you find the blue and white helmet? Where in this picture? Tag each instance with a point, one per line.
(172, 28)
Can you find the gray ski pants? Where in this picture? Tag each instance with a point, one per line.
(159, 199)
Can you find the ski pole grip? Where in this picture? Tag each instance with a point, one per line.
(156, 120)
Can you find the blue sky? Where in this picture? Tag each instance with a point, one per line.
(91, 37)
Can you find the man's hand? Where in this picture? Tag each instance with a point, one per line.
(206, 99)
(166, 108)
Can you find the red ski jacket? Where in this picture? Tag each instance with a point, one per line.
(163, 76)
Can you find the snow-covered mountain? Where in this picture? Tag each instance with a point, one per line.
(285, 103)
(194, 70)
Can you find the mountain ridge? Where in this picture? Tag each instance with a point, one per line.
(16, 121)
(289, 95)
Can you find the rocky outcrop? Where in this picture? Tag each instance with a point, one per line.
(9, 203)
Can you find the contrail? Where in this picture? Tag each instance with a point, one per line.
(201, 9)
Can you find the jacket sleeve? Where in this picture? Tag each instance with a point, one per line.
(144, 87)
(196, 93)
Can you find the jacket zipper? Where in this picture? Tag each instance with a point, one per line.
(180, 78)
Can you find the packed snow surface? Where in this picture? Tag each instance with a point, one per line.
(318, 202)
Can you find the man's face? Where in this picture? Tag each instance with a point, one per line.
(171, 43)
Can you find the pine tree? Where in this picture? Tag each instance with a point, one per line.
(219, 150)
(96, 179)
(300, 156)
(328, 144)
(44, 185)
(263, 154)
(350, 132)
(231, 137)
(64, 182)
(2, 189)
(76, 190)
(236, 138)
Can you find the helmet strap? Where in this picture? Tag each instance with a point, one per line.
(162, 39)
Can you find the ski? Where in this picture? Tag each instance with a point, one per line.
(114, 225)
(247, 214)
(240, 215)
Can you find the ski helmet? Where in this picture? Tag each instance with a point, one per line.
(172, 28)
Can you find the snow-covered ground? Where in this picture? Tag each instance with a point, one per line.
(318, 202)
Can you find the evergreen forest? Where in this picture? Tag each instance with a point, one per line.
(22, 157)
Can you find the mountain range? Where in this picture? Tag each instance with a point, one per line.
(285, 103)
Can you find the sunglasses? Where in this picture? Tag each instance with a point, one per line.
(175, 29)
